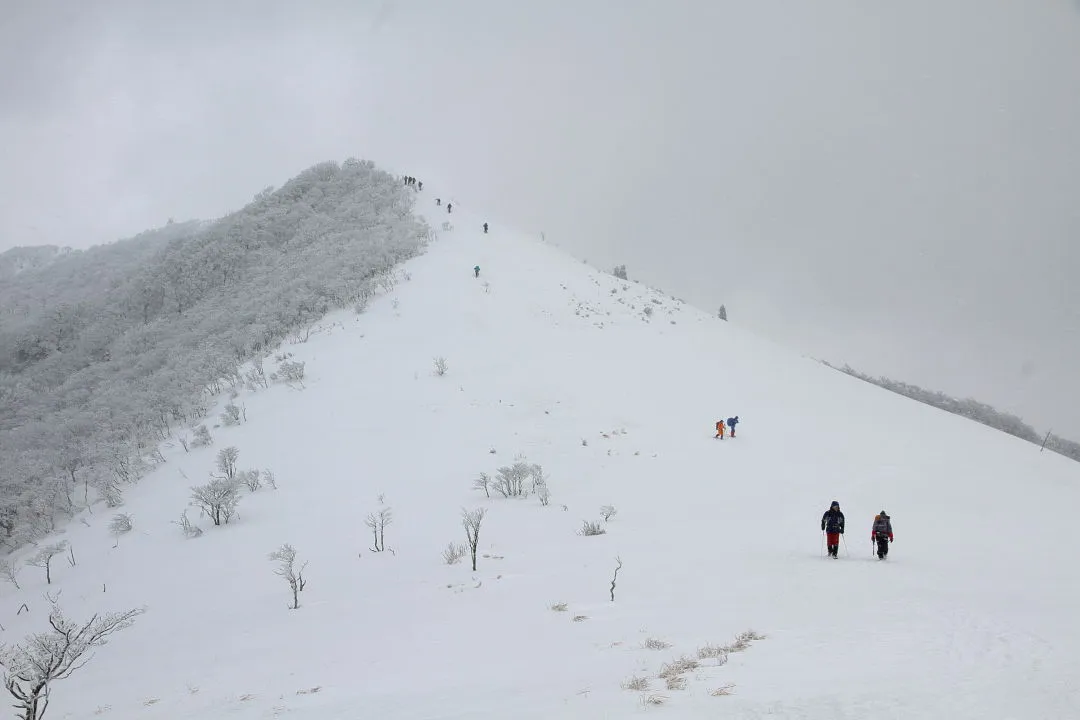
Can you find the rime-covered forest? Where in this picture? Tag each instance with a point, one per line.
(106, 352)
(973, 410)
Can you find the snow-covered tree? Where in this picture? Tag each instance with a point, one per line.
(218, 499)
(471, 521)
(43, 558)
(285, 557)
(226, 462)
(34, 665)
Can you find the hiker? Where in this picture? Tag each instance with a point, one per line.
(485, 228)
(731, 423)
(720, 429)
(476, 271)
(438, 202)
(449, 206)
(881, 533)
(420, 185)
(832, 524)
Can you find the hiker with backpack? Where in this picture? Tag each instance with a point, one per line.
(731, 423)
(476, 271)
(832, 524)
(881, 533)
(720, 429)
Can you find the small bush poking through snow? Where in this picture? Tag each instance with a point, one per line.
(559, 607)
(232, 415)
(190, 530)
(120, 524)
(675, 683)
(590, 528)
(607, 512)
(440, 366)
(722, 690)
(453, 553)
(677, 667)
(655, 644)
(636, 683)
(252, 478)
(709, 652)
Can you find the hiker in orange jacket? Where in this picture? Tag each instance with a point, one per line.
(720, 429)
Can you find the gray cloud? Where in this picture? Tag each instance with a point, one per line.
(888, 184)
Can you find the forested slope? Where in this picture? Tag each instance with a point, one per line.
(103, 353)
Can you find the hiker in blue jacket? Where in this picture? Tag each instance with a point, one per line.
(731, 423)
(832, 524)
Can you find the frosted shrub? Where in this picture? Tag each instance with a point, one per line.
(291, 371)
(257, 375)
(232, 415)
(518, 479)
(120, 524)
(377, 523)
(9, 572)
(590, 528)
(607, 512)
(453, 553)
(620, 272)
(189, 530)
(471, 521)
(252, 478)
(440, 366)
(201, 437)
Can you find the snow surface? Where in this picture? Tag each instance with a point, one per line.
(974, 614)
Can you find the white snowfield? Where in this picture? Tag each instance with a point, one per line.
(974, 614)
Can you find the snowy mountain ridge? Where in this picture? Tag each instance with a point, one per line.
(647, 567)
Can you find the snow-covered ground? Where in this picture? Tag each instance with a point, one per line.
(974, 614)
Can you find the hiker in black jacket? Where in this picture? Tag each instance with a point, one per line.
(832, 524)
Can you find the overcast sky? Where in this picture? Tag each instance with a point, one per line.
(891, 184)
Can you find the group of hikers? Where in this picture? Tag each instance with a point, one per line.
(832, 525)
(721, 427)
(413, 182)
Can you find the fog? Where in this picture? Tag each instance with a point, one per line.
(892, 185)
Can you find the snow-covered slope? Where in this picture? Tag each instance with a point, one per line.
(972, 616)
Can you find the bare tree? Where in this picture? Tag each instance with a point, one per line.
(483, 483)
(8, 572)
(607, 512)
(218, 499)
(190, 530)
(440, 366)
(618, 567)
(285, 557)
(43, 558)
(31, 666)
(226, 462)
(471, 520)
(378, 522)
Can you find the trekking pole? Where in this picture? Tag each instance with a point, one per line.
(846, 553)
(823, 543)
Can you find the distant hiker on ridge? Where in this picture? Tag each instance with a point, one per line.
(438, 202)
(485, 228)
(731, 423)
(420, 185)
(476, 271)
(720, 429)
(832, 524)
(449, 207)
(881, 532)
